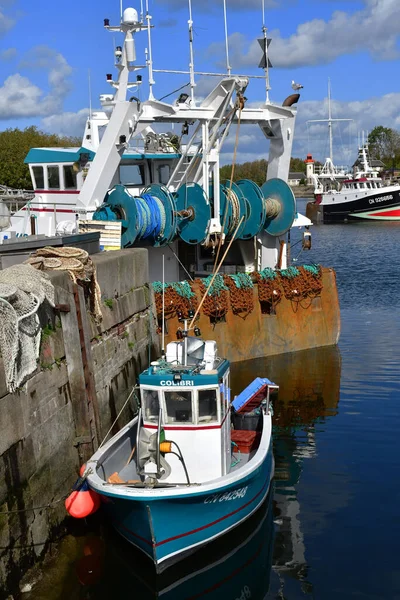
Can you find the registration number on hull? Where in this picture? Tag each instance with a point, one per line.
(234, 495)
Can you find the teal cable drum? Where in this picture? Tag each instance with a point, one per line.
(170, 226)
(192, 229)
(280, 206)
(237, 208)
(120, 205)
(256, 208)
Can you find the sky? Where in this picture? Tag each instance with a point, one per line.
(48, 49)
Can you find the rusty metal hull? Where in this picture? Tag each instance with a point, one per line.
(312, 323)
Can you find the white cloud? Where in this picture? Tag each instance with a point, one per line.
(68, 123)
(374, 28)
(366, 114)
(8, 54)
(20, 97)
(6, 23)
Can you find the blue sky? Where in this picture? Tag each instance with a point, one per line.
(47, 49)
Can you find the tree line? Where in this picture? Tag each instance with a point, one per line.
(384, 145)
(15, 145)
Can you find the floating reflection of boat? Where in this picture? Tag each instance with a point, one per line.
(178, 475)
(235, 566)
(308, 397)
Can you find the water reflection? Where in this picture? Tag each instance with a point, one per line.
(236, 566)
(309, 393)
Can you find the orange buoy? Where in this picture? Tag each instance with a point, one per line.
(83, 502)
(82, 470)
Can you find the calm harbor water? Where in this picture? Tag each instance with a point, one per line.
(332, 527)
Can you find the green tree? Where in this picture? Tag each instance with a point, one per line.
(15, 145)
(297, 165)
(255, 170)
(384, 145)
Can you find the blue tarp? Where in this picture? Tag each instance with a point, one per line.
(251, 390)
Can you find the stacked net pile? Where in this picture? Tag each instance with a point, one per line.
(79, 266)
(22, 291)
(178, 298)
(241, 293)
(269, 290)
(302, 282)
(216, 303)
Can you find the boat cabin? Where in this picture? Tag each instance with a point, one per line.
(192, 404)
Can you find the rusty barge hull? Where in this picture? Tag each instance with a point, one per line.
(309, 323)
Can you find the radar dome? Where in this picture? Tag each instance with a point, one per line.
(130, 16)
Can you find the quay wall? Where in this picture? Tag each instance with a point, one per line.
(52, 424)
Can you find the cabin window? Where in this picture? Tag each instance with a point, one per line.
(164, 172)
(38, 174)
(131, 174)
(208, 408)
(150, 405)
(69, 178)
(179, 407)
(53, 176)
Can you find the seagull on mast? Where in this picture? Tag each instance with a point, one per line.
(296, 86)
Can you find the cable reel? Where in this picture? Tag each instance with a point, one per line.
(233, 206)
(193, 213)
(280, 206)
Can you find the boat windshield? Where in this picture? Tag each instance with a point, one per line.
(208, 408)
(150, 405)
(179, 407)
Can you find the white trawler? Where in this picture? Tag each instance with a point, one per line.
(164, 188)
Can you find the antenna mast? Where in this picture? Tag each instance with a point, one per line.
(90, 95)
(150, 54)
(191, 63)
(266, 44)
(228, 66)
(329, 120)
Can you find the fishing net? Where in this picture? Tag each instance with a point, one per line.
(178, 298)
(269, 291)
(79, 266)
(216, 303)
(241, 293)
(237, 292)
(22, 291)
(302, 282)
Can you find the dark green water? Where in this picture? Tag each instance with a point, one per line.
(331, 529)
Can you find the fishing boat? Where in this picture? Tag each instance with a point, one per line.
(181, 473)
(147, 174)
(361, 194)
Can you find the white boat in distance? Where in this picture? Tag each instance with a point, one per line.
(360, 195)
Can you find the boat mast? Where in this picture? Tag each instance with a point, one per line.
(329, 120)
(191, 63)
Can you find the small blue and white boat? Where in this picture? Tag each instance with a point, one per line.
(178, 475)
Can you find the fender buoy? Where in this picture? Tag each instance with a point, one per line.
(83, 502)
(82, 470)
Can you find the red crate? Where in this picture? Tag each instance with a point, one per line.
(245, 440)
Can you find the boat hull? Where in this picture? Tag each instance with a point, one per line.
(169, 528)
(336, 208)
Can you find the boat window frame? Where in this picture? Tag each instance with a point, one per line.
(195, 422)
(152, 388)
(218, 420)
(33, 177)
(48, 167)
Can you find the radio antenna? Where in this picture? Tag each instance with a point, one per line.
(228, 66)
(121, 11)
(90, 94)
(150, 54)
(191, 63)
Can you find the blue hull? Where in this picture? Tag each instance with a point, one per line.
(167, 529)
